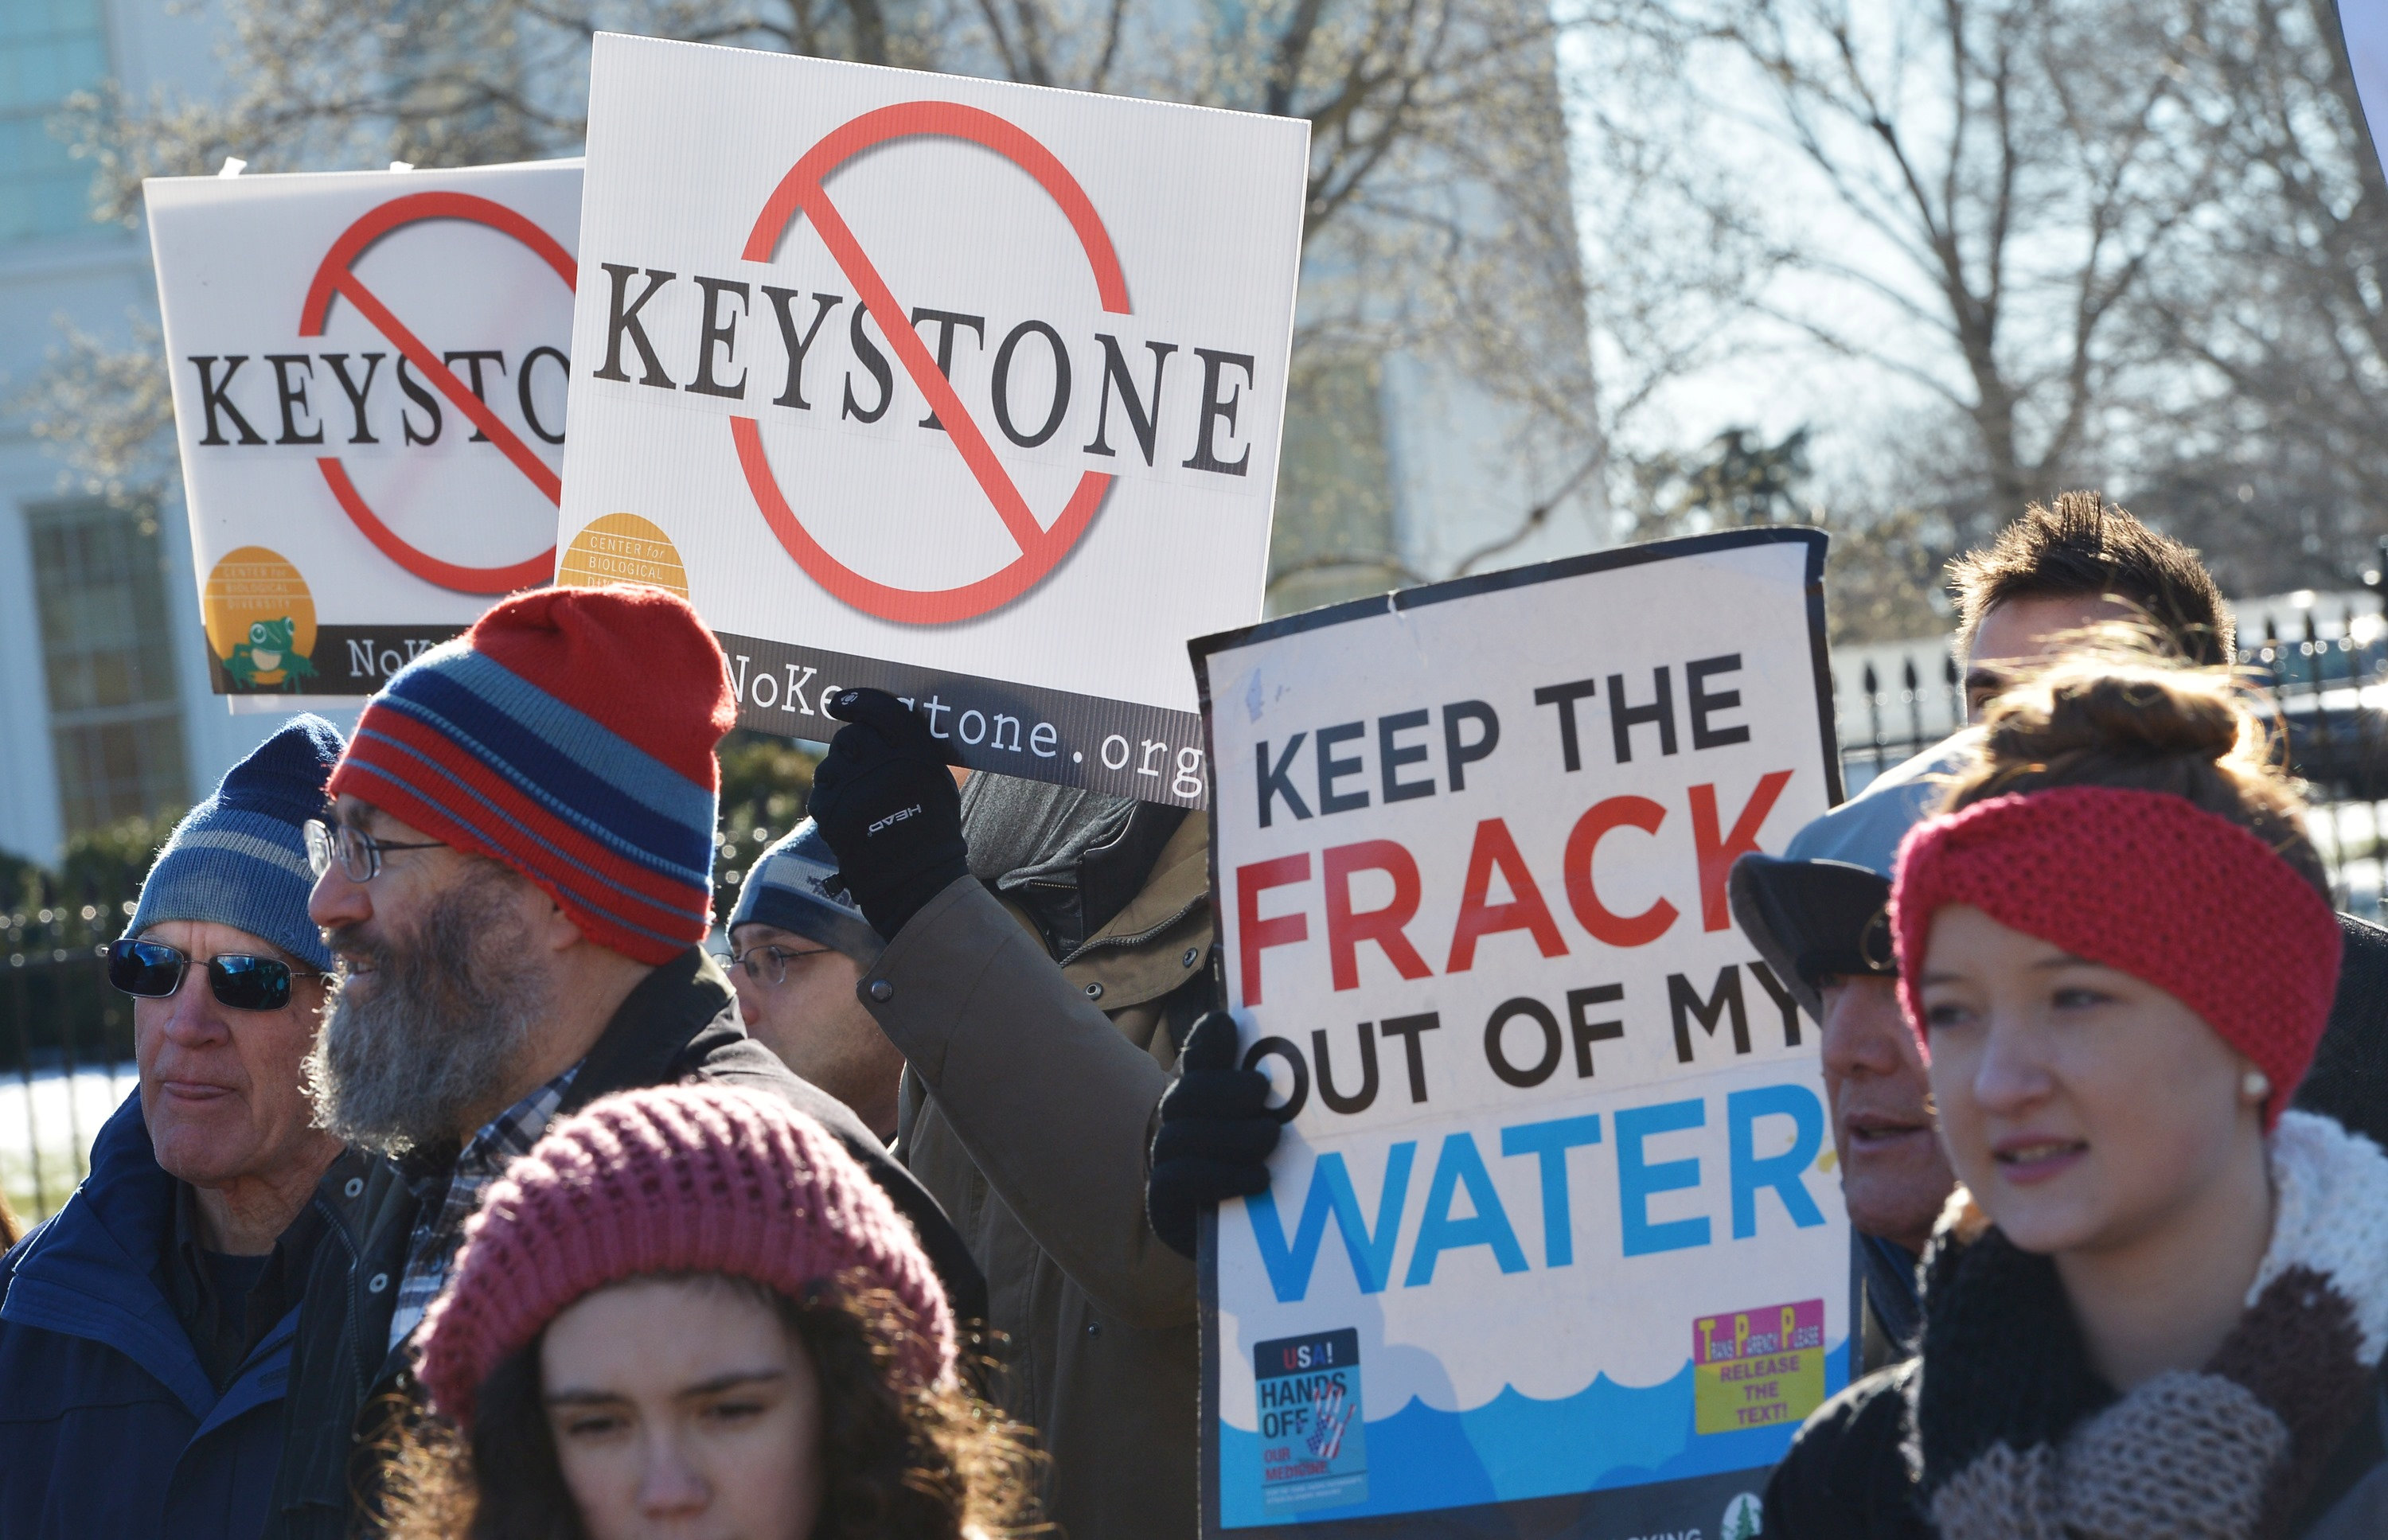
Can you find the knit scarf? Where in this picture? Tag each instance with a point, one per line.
(2012, 1435)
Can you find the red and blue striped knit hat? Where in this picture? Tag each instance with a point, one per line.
(570, 735)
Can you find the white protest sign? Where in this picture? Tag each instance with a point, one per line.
(2363, 27)
(1554, 1222)
(965, 390)
(369, 394)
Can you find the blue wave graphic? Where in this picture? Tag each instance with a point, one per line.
(1514, 1446)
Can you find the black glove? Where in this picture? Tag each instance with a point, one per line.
(1215, 1134)
(887, 805)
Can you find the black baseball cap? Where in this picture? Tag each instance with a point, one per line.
(1821, 908)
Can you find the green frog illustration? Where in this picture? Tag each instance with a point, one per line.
(270, 646)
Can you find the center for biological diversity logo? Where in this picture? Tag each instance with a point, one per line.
(622, 548)
(260, 621)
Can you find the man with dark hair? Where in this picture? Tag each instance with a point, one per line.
(2071, 565)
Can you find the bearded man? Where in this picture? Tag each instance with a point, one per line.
(516, 881)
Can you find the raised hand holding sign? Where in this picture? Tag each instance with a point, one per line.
(886, 801)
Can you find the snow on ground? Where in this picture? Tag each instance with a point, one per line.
(49, 1125)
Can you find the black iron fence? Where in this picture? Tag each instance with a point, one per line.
(2331, 685)
(2324, 662)
(1902, 705)
(66, 1043)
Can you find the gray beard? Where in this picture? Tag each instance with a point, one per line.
(449, 1019)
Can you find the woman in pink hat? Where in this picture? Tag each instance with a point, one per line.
(2158, 1303)
(688, 1310)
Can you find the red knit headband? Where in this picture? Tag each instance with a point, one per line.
(2146, 882)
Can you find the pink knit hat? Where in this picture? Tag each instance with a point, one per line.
(671, 1180)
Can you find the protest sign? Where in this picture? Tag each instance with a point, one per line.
(966, 390)
(369, 377)
(2363, 30)
(1553, 1225)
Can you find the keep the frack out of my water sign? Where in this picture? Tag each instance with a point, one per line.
(369, 376)
(1554, 1222)
(966, 390)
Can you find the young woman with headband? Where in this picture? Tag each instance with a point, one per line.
(2158, 1303)
(689, 1311)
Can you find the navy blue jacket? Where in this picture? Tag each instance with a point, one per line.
(108, 1426)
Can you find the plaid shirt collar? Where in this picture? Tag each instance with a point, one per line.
(508, 1136)
(450, 1199)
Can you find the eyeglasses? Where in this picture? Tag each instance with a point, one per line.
(358, 853)
(154, 971)
(768, 966)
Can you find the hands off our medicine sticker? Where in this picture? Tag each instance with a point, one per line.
(1753, 1368)
(1314, 1443)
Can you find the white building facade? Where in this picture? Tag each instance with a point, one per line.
(107, 712)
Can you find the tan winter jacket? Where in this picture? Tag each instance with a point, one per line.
(1028, 1110)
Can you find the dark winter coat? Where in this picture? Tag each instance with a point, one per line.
(109, 1423)
(1028, 1109)
(679, 1024)
(2349, 1077)
(1886, 1277)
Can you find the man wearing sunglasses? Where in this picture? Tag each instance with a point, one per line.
(798, 946)
(146, 1330)
(517, 881)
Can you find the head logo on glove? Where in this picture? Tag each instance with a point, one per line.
(895, 818)
(884, 799)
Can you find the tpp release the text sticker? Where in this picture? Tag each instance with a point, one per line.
(1753, 1368)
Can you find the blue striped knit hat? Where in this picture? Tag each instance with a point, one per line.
(795, 887)
(570, 735)
(240, 858)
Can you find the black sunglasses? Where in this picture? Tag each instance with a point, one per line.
(154, 971)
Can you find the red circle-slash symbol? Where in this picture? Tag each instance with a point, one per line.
(800, 192)
(333, 276)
